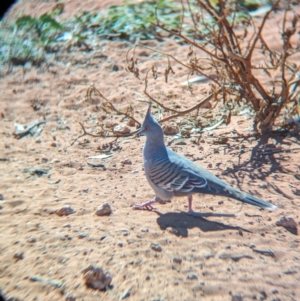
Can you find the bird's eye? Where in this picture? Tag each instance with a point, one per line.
(146, 128)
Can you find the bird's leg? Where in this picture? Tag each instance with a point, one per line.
(147, 205)
(190, 200)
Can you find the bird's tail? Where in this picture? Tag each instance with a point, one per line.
(252, 200)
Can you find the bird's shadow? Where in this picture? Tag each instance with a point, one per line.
(180, 222)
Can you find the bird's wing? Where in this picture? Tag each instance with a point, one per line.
(174, 176)
(214, 185)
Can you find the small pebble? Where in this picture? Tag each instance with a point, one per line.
(120, 243)
(96, 278)
(125, 295)
(170, 129)
(156, 247)
(1, 197)
(225, 255)
(125, 231)
(144, 230)
(237, 298)
(127, 161)
(82, 235)
(70, 297)
(121, 129)
(289, 272)
(130, 122)
(172, 230)
(287, 222)
(177, 260)
(31, 239)
(19, 255)
(68, 237)
(104, 209)
(192, 276)
(65, 210)
(263, 296)
(208, 255)
(115, 67)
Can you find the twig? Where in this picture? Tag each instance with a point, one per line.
(22, 130)
(177, 60)
(93, 89)
(101, 135)
(209, 128)
(264, 252)
(97, 165)
(252, 215)
(178, 113)
(52, 282)
(265, 153)
(84, 133)
(258, 34)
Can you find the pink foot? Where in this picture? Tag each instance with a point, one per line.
(147, 205)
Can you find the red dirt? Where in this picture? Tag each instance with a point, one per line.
(199, 258)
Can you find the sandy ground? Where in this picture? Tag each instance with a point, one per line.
(42, 255)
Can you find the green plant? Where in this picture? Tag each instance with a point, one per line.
(135, 20)
(43, 29)
(28, 38)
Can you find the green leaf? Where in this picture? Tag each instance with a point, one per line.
(52, 23)
(26, 21)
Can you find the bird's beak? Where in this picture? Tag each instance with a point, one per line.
(140, 132)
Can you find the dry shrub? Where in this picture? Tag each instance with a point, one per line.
(230, 38)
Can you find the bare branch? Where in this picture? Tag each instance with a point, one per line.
(258, 34)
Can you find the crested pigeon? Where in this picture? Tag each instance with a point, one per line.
(172, 175)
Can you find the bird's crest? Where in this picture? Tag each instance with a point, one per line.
(149, 108)
(149, 118)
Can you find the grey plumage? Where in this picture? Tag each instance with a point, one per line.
(170, 174)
